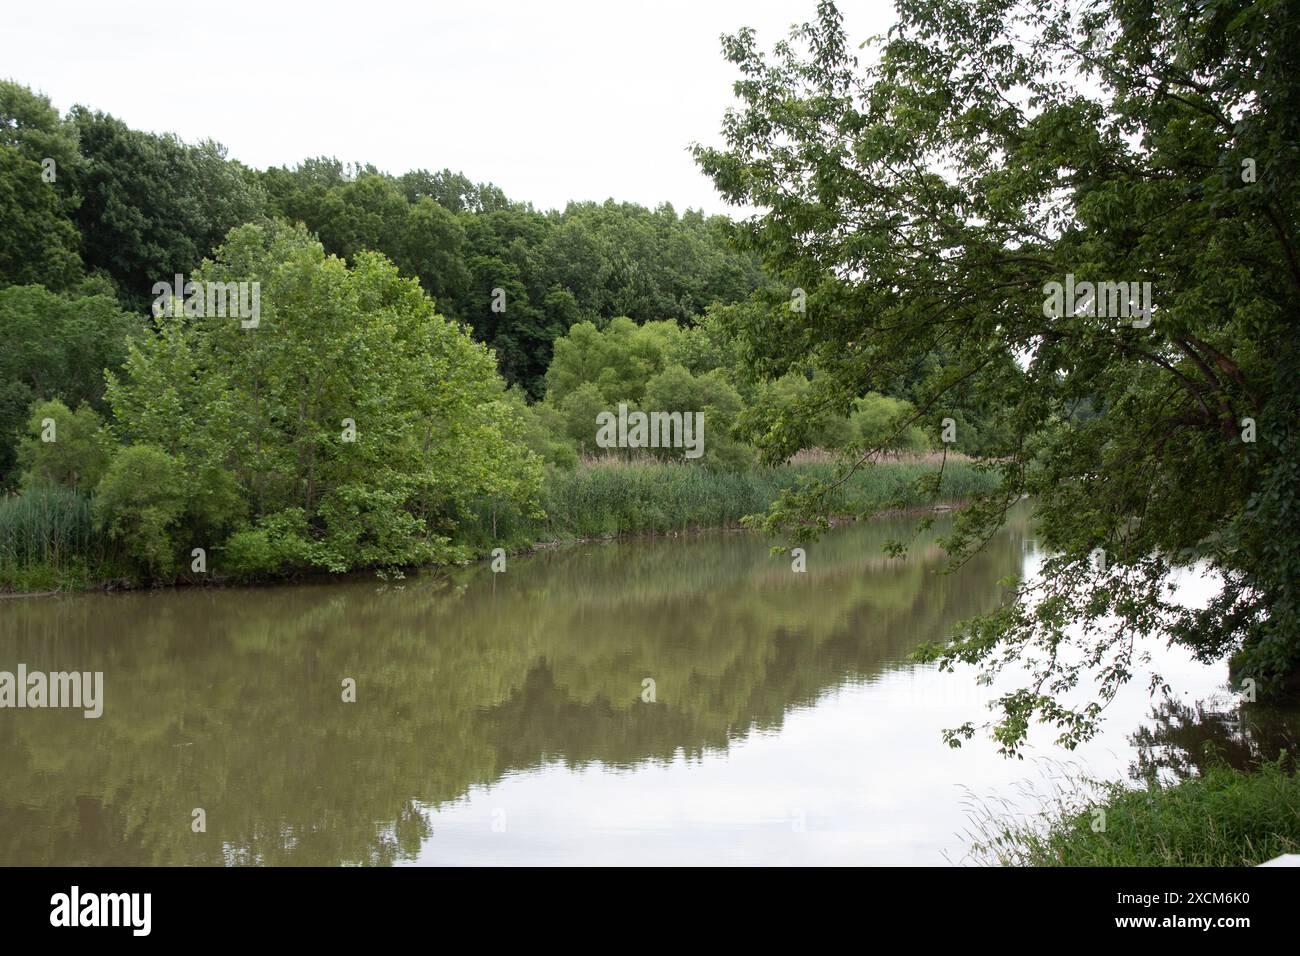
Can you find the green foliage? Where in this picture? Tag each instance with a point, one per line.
(152, 206)
(38, 151)
(577, 412)
(354, 424)
(1224, 818)
(677, 390)
(75, 456)
(55, 346)
(141, 502)
(281, 540)
(591, 262)
(793, 413)
(543, 429)
(244, 427)
(875, 424)
(452, 191)
(38, 243)
(925, 202)
(31, 125)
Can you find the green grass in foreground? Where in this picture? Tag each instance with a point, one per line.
(1226, 817)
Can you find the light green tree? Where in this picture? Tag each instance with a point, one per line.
(63, 447)
(358, 425)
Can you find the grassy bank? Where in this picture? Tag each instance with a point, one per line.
(49, 540)
(611, 498)
(1225, 817)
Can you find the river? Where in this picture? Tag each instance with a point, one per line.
(505, 718)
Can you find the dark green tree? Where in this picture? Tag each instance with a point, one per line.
(56, 346)
(927, 200)
(152, 206)
(38, 243)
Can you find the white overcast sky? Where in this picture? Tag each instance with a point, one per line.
(552, 101)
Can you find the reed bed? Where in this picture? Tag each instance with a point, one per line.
(49, 539)
(611, 497)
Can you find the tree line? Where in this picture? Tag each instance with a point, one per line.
(96, 213)
(426, 347)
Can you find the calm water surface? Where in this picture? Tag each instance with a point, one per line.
(499, 718)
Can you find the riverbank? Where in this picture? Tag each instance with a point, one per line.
(50, 544)
(1224, 817)
(609, 499)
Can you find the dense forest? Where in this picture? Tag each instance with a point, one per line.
(429, 358)
(126, 208)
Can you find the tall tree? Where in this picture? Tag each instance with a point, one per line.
(38, 243)
(56, 346)
(929, 200)
(152, 206)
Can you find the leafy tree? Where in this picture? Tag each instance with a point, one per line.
(792, 413)
(430, 247)
(55, 346)
(624, 259)
(152, 206)
(30, 124)
(141, 502)
(619, 359)
(543, 430)
(875, 424)
(676, 390)
(76, 454)
(465, 241)
(927, 201)
(704, 346)
(579, 410)
(38, 244)
(452, 191)
(357, 424)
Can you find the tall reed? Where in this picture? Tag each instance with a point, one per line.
(48, 525)
(613, 497)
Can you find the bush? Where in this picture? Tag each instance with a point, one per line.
(141, 501)
(278, 545)
(877, 417)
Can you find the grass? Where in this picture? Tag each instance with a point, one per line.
(45, 525)
(49, 541)
(609, 498)
(1224, 817)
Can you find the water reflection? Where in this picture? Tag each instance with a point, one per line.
(499, 718)
(1183, 739)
